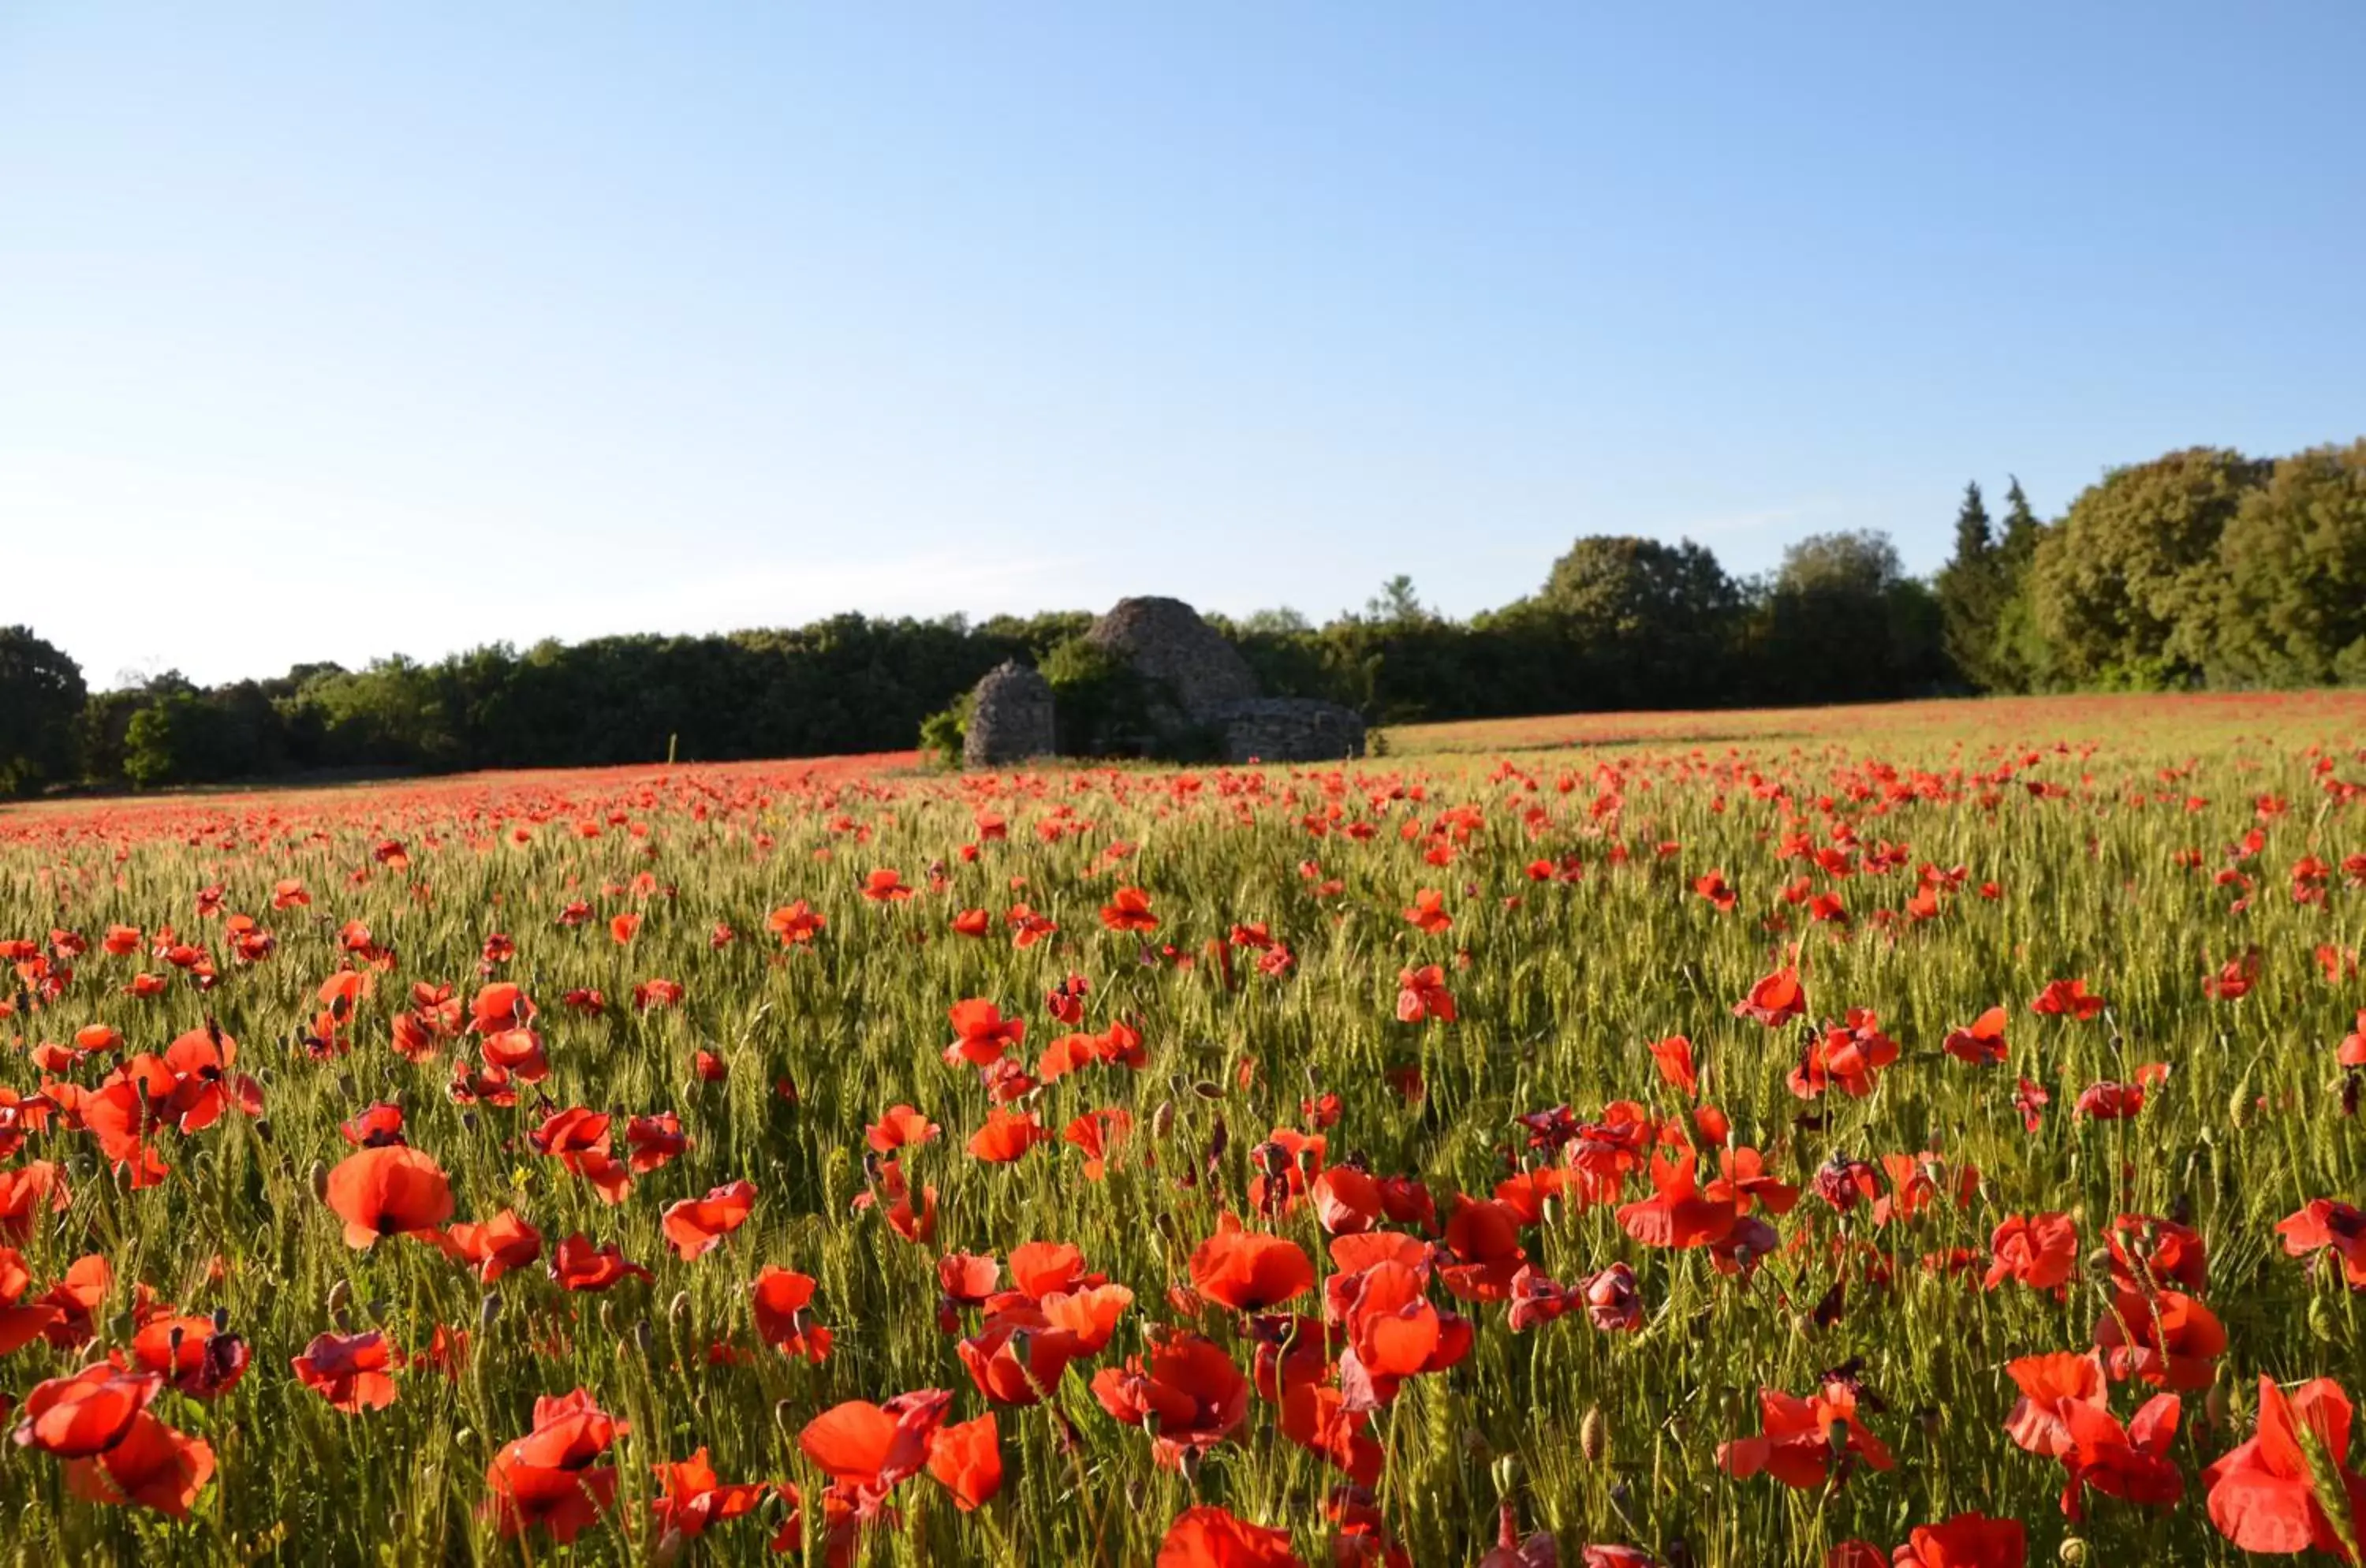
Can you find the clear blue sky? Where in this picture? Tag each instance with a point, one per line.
(328, 331)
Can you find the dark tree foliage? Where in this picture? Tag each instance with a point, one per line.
(41, 696)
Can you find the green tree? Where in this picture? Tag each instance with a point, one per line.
(2017, 658)
(2292, 605)
(2125, 590)
(41, 696)
(1971, 590)
(1651, 623)
(1842, 622)
(1396, 604)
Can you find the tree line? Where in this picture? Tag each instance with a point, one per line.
(2203, 566)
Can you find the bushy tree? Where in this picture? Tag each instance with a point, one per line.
(1652, 624)
(2125, 588)
(2291, 564)
(1842, 622)
(41, 696)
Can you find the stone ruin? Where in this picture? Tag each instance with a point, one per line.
(1201, 686)
(1010, 719)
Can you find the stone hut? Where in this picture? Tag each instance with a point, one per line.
(1291, 730)
(1010, 719)
(1202, 689)
(1184, 659)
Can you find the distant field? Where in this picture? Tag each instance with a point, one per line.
(2334, 718)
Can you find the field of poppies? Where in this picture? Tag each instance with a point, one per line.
(1857, 1138)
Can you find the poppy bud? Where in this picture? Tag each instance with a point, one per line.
(1507, 1475)
(678, 1310)
(263, 1128)
(488, 1310)
(320, 1180)
(1594, 1435)
(607, 1319)
(1162, 1121)
(641, 1336)
(784, 1416)
(668, 1549)
(1207, 1090)
(2214, 1405)
(2320, 1319)
(2072, 1549)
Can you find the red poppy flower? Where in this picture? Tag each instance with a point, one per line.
(579, 1139)
(1850, 1057)
(870, 1448)
(2041, 1251)
(551, 1478)
(972, 923)
(388, 1191)
(1799, 1439)
(1186, 1392)
(1673, 1057)
(2069, 998)
(2128, 1462)
(195, 1354)
(2327, 1223)
(352, 1372)
(151, 1466)
(1332, 1423)
(1208, 1537)
(27, 1189)
(1249, 1271)
(1422, 996)
(578, 1264)
(2351, 1053)
(966, 1460)
(794, 925)
(886, 885)
(1677, 1215)
(2263, 1494)
(779, 1298)
(1006, 1136)
(1128, 910)
(2109, 1102)
(87, 1412)
(2167, 1339)
(982, 1034)
(1966, 1540)
(901, 1127)
(1428, 911)
(1982, 1044)
(696, 1226)
(1775, 1000)
(655, 1141)
(377, 1127)
(694, 1497)
(21, 1325)
(2049, 1385)
(493, 1248)
(657, 992)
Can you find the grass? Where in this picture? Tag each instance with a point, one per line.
(2078, 812)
